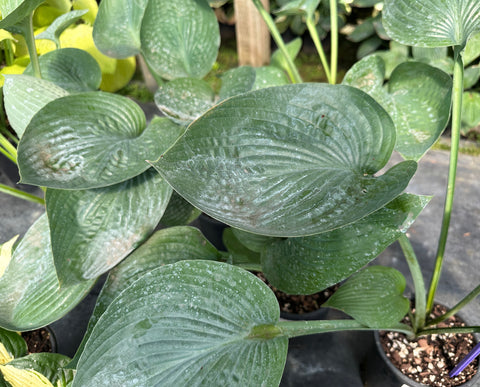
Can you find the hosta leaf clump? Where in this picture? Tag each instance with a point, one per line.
(288, 161)
(186, 324)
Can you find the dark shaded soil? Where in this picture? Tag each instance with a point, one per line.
(429, 359)
(299, 304)
(38, 341)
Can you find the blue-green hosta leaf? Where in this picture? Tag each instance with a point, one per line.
(14, 11)
(59, 25)
(471, 76)
(417, 97)
(236, 81)
(184, 99)
(116, 30)
(186, 324)
(268, 76)
(72, 69)
(310, 264)
(25, 96)
(50, 365)
(30, 296)
(431, 23)
(93, 230)
(238, 253)
(91, 140)
(180, 38)
(253, 242)
(166, 246)
(472, 49)
(292, 160)
(12, 345)
(373, 297)
(179, 212)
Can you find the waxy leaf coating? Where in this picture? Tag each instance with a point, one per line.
(288, 161)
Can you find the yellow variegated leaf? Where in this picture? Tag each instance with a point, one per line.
(5, 356)
(6, 255)
(24, 378)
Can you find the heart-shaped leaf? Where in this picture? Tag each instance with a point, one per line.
(310, 264)
(50, 365)
(90, 140)
(59, 25)
(373, 297)
(14, 11)
(72, 69)
(417, 97)
(116, 31)
(292, 160)
(431, 23)
(25, 96)
(30, 297)
(93, 230)
(180, 39)
(184, 99)
(189, 323)
(12, 345)
(164, 247)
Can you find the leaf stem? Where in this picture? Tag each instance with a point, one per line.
(455, 137)
(26, 25)
(460, 330)
(292, 69)
(302, 328)
(21, 194)
(470, 297)
(418, 283)
(8, 149)
(334, 40)
(318, 45)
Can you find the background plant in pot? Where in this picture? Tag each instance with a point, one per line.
(293, 168)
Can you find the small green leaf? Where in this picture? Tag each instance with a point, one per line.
(30, 297)
(293, 48)
(12, 345)
(25, 96)
(417, 97)
(373, 297)
(179, 212)
(189, 323)
(164, 247)
(50, 365)
(268, 76)
(14, 11)
(59, 25)
(93, 230)
(239, 254)
(471, 76)
(254, 242)
(72, 69)
(180, 39)
(184, 99)
(470, 111)
(431, 23)
(310, 264)
(116, 30)
(472, 49)
(299, 7)
(287, 161)
(91, 140)
(237, 81)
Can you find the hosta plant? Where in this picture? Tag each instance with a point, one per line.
(295, 169)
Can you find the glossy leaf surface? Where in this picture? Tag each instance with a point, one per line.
(30, 296)
(116, 30)
(184, 99)
(90, 140)
(72, 69)
(431, 23)
(288, 161)
(93, 230)
(166, 246)
(417, 97)
(180, 39)
(25, 96)
(373, 297)
(310, 264)
(12, 345)
(186, 324)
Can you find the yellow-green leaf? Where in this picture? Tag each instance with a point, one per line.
(6, 254)
(24, 378)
